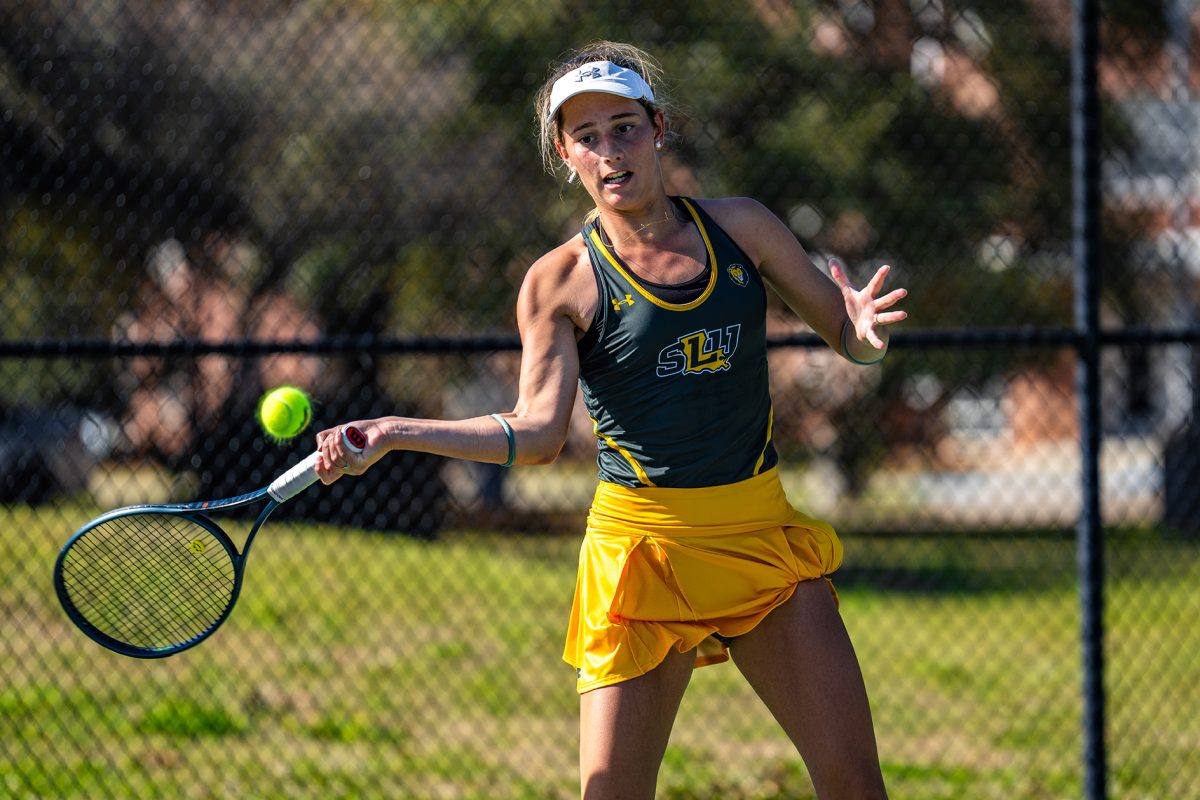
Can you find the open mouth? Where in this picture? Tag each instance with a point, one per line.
(617, 179)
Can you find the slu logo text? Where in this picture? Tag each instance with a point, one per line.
(699, 351)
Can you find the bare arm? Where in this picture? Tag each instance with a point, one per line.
(826, 305)
(549, 312)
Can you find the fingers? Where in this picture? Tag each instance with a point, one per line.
(326, 472)
(874, 339)
(891, 298)
(870, 292)
(876, 320)
(874, 285)
(336, 459)
(869, 299)
(838, 274)
(881, 317)
(889, 317)
(328, 467)
(867, 310)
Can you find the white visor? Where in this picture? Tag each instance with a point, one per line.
(599, 76)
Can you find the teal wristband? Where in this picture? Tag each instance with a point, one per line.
(512, 440)
(846, 349)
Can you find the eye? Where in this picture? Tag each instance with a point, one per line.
(625, 127)
(586, 138)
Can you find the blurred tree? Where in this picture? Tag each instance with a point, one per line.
(380, 155)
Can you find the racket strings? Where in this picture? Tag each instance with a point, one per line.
(150, 580)
(161, 597)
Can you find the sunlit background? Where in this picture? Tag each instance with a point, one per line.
(201, 200)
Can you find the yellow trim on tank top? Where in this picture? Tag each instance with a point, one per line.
(611, 442)
(712, 260)
(770, 429)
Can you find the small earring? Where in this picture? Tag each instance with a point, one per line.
(658, 145)
(571, 176)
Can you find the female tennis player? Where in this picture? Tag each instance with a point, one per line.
(657, 310)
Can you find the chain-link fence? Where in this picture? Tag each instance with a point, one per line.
(200, 200)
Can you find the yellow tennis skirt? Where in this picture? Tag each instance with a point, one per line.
(662, 568)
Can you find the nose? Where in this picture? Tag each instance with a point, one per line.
(611, 149)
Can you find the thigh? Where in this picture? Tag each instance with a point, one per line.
(624, 729)
(801, 663)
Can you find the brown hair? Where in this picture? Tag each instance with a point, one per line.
(623, 55)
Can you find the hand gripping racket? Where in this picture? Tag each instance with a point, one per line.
(152, 580)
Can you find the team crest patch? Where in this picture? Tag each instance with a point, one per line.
(738, 274)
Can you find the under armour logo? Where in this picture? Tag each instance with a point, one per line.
(584, 74)
(617, 303)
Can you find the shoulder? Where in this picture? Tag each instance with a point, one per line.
(745, 219)
(563, 267)
(736, 211)
(560, 283)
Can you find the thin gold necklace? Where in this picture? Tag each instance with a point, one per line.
(667, 217)
(637, 268)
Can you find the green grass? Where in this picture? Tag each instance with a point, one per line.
(369, 665)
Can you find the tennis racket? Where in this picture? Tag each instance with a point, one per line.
(153, 580)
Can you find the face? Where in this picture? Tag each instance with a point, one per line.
(609, 141)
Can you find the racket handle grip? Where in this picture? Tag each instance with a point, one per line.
(304, 474)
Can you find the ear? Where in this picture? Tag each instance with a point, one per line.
(563, 154)
(660, 128)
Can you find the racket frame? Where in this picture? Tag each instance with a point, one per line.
(282, 489)
(193, 512)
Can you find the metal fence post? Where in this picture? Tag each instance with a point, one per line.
(1085, 158)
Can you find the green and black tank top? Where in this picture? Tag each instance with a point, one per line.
(677, 387)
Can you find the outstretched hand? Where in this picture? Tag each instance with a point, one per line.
(868, 312)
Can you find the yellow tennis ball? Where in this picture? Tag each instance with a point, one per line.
(284, 412)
